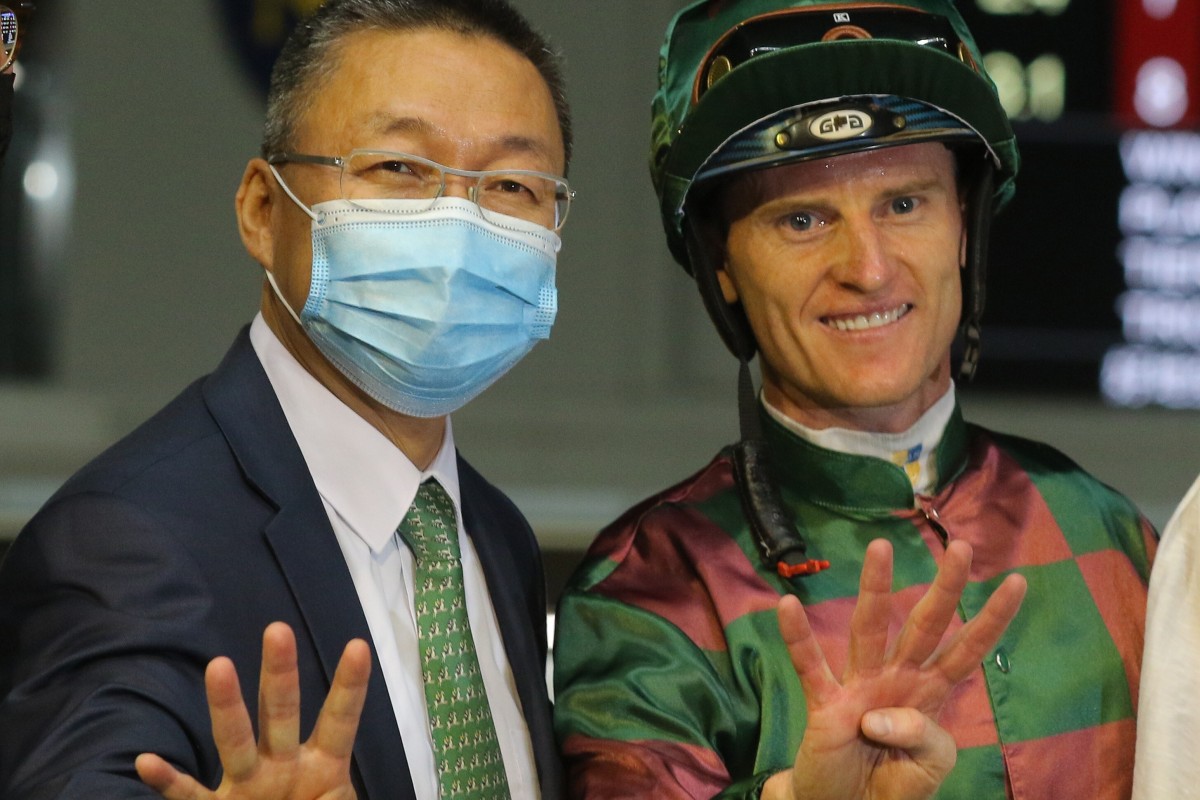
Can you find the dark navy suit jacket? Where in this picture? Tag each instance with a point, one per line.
(181, 543)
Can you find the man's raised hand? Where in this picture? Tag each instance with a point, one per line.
(874, 733)
(277, 766)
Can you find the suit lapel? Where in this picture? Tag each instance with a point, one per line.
(244, 405)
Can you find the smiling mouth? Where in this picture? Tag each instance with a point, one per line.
(864, 322)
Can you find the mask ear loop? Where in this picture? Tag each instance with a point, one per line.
(280, 297)
(270, 276)
(288, 191)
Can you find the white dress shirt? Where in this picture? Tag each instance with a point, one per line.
(367, 485)
(912, 450)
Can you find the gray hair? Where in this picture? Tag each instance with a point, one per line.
(309, 55)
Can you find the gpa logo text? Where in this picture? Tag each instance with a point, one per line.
(836, 125)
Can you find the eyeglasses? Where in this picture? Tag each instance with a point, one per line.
(779, 30)
(14, 18)
(537, 197)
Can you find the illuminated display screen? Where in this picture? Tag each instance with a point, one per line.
(1094, 275)
(1050, 58)
(1054, 275)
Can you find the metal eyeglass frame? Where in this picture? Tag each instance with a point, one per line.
(477, 175)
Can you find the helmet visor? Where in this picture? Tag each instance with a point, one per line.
(832, 128)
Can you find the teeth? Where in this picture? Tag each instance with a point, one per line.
(877, 320)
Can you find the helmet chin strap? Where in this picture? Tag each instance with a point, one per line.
(780, 543)
(979, 216)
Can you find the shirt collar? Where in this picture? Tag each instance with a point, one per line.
(913, 449)
(824, 469)
(359, 473)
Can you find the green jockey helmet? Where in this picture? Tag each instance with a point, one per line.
(752, 84)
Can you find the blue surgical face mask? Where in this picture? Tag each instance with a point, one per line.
(423, 307)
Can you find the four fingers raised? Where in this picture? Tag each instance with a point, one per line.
(277, 759)
(919, 643)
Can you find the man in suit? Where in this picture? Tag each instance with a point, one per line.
(405, 212)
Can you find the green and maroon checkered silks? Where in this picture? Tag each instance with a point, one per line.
(672, 680)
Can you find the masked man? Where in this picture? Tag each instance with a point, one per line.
(827, 172)
(406, 212)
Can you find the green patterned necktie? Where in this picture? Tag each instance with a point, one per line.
(464, 736)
